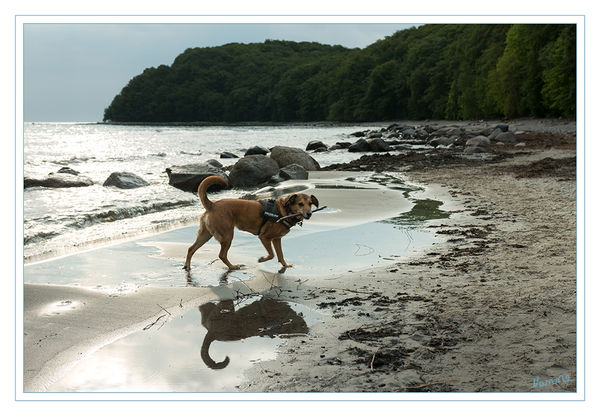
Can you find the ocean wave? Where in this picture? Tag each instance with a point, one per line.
(72, 161)
(116, 214)
(75, 160)
(40, 236)
(57, 226)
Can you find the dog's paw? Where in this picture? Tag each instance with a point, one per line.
(265, 258)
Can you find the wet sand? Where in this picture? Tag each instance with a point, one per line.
(489, 307)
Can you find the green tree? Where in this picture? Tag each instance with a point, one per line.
(558, 60)
(380, 100)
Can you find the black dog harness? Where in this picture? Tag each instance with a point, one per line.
(271, 213)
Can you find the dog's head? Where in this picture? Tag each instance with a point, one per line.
(300, 204)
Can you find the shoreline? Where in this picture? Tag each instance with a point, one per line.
(517, 122)
(485, 310)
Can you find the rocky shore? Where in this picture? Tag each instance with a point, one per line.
(397, 147)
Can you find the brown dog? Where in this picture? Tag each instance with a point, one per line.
(254, 217)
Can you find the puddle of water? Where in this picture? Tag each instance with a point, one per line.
(322, 250)
(123, 267)
(206, 349)
(423, 210)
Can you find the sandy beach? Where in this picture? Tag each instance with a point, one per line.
(490, 310)
(482, 299)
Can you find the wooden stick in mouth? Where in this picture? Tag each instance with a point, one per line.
(295, 215)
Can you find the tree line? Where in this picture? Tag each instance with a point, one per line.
(440, 71)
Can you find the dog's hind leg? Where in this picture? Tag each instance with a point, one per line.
(267, 243)
(203, 236)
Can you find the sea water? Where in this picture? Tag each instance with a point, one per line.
(61, 221)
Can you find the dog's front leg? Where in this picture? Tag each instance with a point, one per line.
(279, 251)
(267, 243)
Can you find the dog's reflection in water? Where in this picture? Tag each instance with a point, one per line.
(264, 317)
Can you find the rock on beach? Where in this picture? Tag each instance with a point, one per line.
(479, 141)
(376, 144)
(293, 171)
(125, 180)
(442, 141)
(58, 180)
(285, 156)
(252, 170)
(188, 177)
(361, 145)
(68, 170)
(257, 150)
(340, 145)
(316, 145)
(506, 137)
(477, 144)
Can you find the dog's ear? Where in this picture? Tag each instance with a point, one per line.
(314, 201)
(290, 200)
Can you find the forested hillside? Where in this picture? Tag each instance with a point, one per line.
(433, 71)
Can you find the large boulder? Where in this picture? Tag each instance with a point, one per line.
(293, 171)
(215, 163)
(125, 180)
(257, 150)
(494, 133)
(284, 156)
(68, 170)
(378, 145)
(58, 180)
(478, 141)
(408, 133)
(370, 145)
(361, 145)
(252, 170)
(340, 145)
(188, 177)
(315, 145)
(442, 141)
(506, 137)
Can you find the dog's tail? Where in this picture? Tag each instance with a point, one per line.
(210, 363)
(203, 187)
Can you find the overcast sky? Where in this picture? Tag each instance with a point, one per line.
(73, 71)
